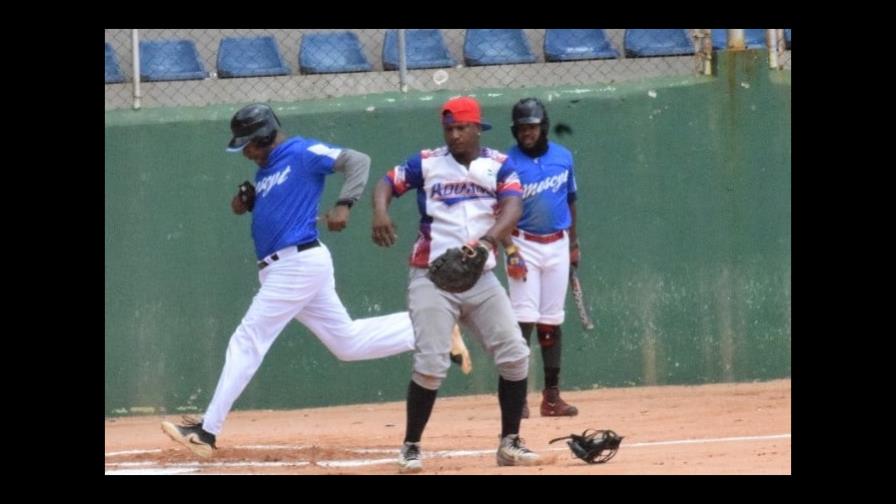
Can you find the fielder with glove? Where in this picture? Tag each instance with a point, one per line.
(459, 187)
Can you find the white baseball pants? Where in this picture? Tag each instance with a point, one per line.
(301, 286)
(542, 297)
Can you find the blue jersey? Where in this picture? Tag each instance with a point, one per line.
(549, 185)
(287, 194)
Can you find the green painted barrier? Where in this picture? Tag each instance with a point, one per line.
(684, 218)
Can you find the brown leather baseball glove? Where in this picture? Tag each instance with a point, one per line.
(458, 269)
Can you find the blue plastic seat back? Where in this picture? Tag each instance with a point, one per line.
(113, 72)
(496, 47)
(787, 37)
(423, 49)
(332, 53)
(577, 44)
(250, 57)
(753, 38)
(170, 60)
(649, 42)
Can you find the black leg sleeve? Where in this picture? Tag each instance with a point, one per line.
(511, 396)
(419, 407)
(551, 341)
(551, 344)
(526, 329)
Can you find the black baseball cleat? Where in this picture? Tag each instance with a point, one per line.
(192, 435)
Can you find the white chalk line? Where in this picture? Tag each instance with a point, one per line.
(186, 467)
(710, 440)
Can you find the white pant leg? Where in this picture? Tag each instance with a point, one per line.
(361, 339)
(286, 287)
(554, 281)
(525, 296)
(542, 297)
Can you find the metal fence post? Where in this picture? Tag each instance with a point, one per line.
(402, 63)
(736, 40)
(771, 40)
(135, 46)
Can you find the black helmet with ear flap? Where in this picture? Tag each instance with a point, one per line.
(253, 122)
(530, 111)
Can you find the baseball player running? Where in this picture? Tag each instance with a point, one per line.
(465, 194)
(295, 268)
(540, 250)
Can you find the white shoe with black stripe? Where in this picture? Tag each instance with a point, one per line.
(192, 435)
(409, 459)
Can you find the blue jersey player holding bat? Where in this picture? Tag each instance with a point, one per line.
(541, 249)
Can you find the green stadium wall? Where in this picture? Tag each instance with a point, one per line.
(684, 216)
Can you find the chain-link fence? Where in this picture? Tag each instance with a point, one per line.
(186, 67)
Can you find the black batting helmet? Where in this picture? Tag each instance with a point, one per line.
(530, 111)
(253, 122)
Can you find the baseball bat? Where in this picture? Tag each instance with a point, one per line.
(579, 298)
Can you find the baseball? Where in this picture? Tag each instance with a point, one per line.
(440, 77)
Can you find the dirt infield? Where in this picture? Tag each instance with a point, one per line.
(736, 428)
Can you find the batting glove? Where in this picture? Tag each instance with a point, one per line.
(516, 265)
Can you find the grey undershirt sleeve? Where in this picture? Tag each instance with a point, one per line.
(356, 166)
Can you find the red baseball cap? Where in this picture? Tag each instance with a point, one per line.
(463, 109)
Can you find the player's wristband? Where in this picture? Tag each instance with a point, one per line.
(491, 241)
(345, 202)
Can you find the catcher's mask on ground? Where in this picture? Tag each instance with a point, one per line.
(255, 123)
(593, 446)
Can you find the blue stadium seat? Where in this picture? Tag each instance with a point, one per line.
(423, 49)
(648, 42)
(113, 73)
(332, 53)
(496, 47)
(577, 44)
(753, 38)
(787, 37)
(249, 57)
(170, 60)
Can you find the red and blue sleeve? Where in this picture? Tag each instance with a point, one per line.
(406, 176)
(508, 182)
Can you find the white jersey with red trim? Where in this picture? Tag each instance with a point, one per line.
(456, 204)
